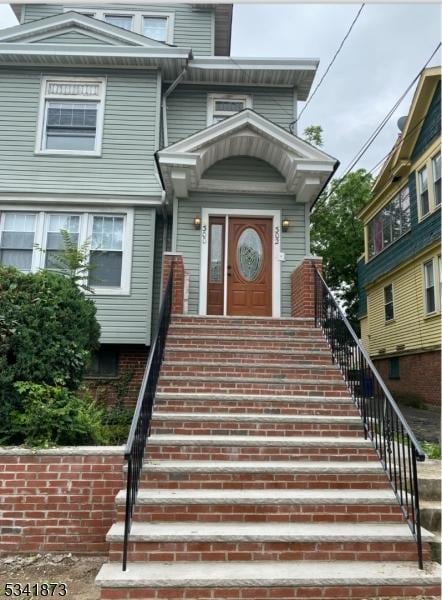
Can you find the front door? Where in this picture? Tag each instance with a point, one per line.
(249, 269)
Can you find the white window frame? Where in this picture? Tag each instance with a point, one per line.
(433, 181)
(45, 96)
(392, 303)
(137, 18)
(435, 264)
(214, 97)
(84, 236)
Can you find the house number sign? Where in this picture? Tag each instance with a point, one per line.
(204, 234)
(276, 236)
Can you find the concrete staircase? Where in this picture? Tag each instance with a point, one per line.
(258, 482)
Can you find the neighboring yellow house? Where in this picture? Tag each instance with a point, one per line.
(400, 273)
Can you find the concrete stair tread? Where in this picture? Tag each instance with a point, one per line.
(230, 466)
(256, 418)
(431, 504)
(259, 440)
(253, 397)
(261, 532)
(266, 496)
(267, 573)
(273, 379)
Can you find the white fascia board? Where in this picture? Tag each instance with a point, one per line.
(177, 158)
(93, 50)
(274, 64)
(52, 24)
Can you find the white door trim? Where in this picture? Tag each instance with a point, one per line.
(276, 251)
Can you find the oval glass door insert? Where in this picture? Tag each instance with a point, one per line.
(249, 254)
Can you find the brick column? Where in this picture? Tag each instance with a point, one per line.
(303, 287)
(176, 259)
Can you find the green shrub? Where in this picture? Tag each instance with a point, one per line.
(116, 422)
(48, 329)
(432, 449)
(53, 415)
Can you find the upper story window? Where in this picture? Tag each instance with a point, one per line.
(221, 106)
(390, 223)
(31, 241)
(388, 302)
(436, 168)
(430, 295)
(124, 21)
(154, 25)
(424, 201)
(71, 116)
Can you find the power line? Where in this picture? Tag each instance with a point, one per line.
(328, 68)
(381, 125)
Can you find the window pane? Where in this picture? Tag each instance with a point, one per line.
(371, 251)
(216, 251)
(429, 287)
(107, 233)
(405, 209)
(105, 269)
(378, 238)
(54, 240)
(124, 21)
(155, 28)
(437, 178)
(388, 293)
(423, 180)
(71, 125)
(229, 105)
(386, 226)
(395, 209)
(17, 240)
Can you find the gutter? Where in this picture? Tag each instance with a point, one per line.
(166, 94)
(335, 168)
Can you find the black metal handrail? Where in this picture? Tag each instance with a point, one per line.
(140, 427)
(383, 422)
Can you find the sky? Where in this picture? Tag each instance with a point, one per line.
(386, 49)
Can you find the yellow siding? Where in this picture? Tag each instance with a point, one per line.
(411, 326)
(364, 333)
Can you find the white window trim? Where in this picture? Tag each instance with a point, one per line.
(85, 234)
(433, 190)
(276, 253)
(41, 125)
(212, 97)
(436, 285)
(392, 303)
(432, 206)
(137, 18)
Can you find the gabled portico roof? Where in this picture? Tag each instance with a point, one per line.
(305, 168)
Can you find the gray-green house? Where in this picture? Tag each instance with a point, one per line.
(132, 127)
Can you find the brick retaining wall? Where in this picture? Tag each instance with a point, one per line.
(58, 500)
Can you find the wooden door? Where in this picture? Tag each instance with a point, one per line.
(249, 267)
(215, 275)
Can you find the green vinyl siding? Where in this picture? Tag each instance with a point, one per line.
(126, 319)
(126, 165)
(242, 168)
(187, 107)
(73, 37)
(194, 27)
(189, 239)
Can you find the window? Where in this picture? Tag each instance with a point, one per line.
(390, 223)
(124, 21)
(424, 200)
(394, 368)
(54, 238)
(436, 169)
(222, 106)
(71, 116)
(106, 251)
(155, 28)
(430, 297)
(104, 363)
(388, 302)
(33, 241)
(17, 240)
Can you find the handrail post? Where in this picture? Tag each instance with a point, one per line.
(128, 510)
(417, 515)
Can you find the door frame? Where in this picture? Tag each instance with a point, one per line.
(275, 215)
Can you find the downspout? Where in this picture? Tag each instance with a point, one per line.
(167, 93)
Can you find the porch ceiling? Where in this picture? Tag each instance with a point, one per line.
(305, 168)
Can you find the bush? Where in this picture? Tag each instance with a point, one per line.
(117, 421)
(53, 415)
(47, 332)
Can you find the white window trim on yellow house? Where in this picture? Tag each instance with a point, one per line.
(427, 162)
(437, 284)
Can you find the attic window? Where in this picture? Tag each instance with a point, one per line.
(155, 28)
(222, 106)
(71, 116)
(123, 21)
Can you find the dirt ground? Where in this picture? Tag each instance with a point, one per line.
(78, 573)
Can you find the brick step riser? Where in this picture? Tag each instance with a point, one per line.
(141, 551)
(273, 593)
(249, 407)
(227, 321)
(283, 374)
(197, 343)
(265, 513)
(237, 358)
(234, 331)
(261, 481)
(177, 452)
(276, 388)
(226, 428)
